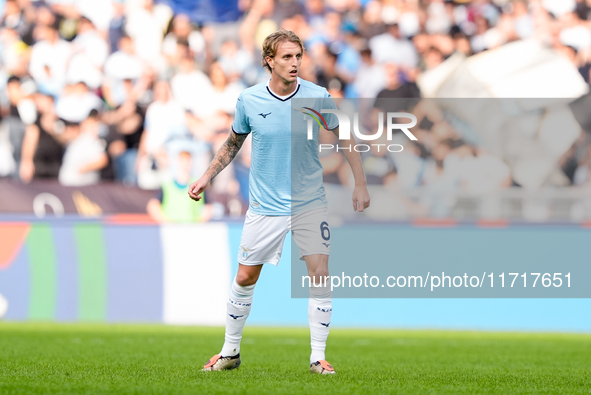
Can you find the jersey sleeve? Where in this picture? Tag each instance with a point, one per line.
(332, 121)
(240, 125)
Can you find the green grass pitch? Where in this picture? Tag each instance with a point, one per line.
(134, 359)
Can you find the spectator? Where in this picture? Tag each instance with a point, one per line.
(438, 20)
(224, 94)
(432, 58)
(191, 87)
(122, 65)
(396, 88)
(370, 49)
(43, 147)
(391, 47)
(378, 164)
(99, 11)
(371, 76)
(14, 52)
(327, 75)
(315, 10)
(409, 164)
(233, 60)
(15, 19)
(146, 25)
(523, 21)
(49, 58)
(172, 204)
(126, 125)
(462, 44)
(165, 119)
(76, 102)
(90, 51)
(181, 29)
(116, 25)
(90, 43)
(13, 119)
(85, 153)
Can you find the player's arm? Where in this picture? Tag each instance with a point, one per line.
(360, 193)
(222, 159)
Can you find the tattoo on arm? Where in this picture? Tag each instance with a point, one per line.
(226, 153)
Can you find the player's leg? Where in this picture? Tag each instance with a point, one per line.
(238, 307)
(237, 311)
(311, 233)
(319, 311)
(261, 242)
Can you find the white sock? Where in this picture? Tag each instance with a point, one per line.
(319, 314)
(238, 309)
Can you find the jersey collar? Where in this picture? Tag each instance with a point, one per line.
(284, 98)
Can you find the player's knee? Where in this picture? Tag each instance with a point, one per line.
(319, 276)
(245, 279)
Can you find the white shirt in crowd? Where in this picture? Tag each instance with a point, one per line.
(100, 12)
(121, 66)
(208, 105)
(81, 68)
(191, 88)
(370, 80)
(386, 48)
(83, 150)
(54, 56)
(76, 107)
(163, 121)
(93, 46)
(559, 7)
(146, 29)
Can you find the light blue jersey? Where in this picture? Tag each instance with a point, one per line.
(269, 118)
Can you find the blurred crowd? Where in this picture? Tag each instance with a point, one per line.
(127, 90)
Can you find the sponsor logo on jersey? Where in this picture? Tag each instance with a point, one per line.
(264, 115)
(326, 244)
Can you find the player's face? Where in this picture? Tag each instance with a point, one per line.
(286, 63)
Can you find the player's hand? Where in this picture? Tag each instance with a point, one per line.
(197, 188)
(360, 198)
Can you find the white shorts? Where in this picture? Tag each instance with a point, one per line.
(263, 236)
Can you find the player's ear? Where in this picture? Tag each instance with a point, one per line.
(269, 61)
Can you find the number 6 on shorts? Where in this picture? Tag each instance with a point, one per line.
(325, 230)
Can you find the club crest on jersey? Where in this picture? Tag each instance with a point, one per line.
(245, 251)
